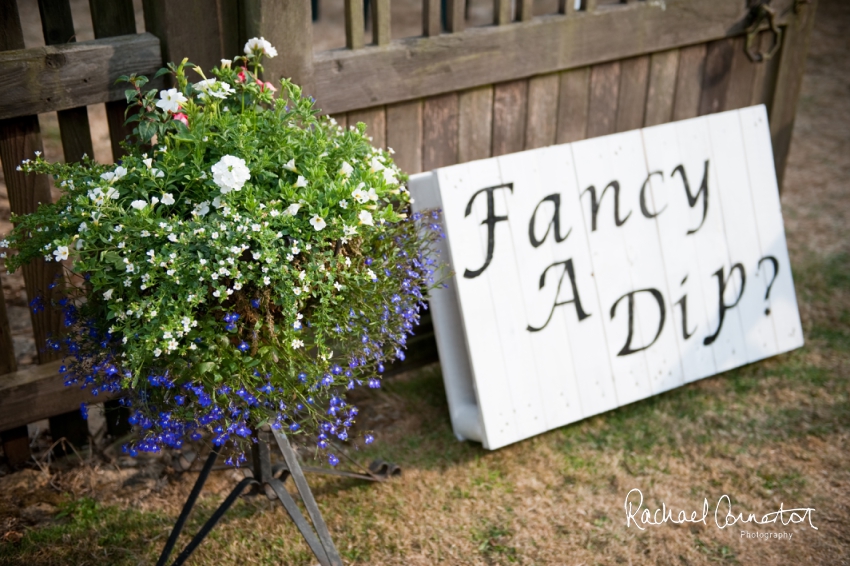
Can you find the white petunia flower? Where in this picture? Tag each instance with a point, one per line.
(225, 63)
(296, 343)
(260, 45)
(108, 294)
(157, 352)
(148, 162)
(346, 169)
(292, 209)
(138, 204)
(170, 100)
(290, 165)
(389, 177)
(343, 203)
(230, 173)
(360, 195)
(267, 280)
(376, 165)
(301, 182)
(202, 209)
(366, 218)
(317, 222)
(61, 253)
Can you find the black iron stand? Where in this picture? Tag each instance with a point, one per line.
(270, 480)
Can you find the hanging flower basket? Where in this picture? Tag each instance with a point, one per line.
(245, 263)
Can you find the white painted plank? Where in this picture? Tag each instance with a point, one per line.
(596, 166)
(710, 242)
(551, 353)
(741, 232)
(675, 218)
(477, 309)
(782, 300)
(586, 337)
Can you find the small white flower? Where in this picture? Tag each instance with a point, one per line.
(296, 343)
(157, 173)
(317, 222)
(108, 294)
(256, 227)
(230, 173)
(292, 209)
(366, 218)
(301, 182)
(83, 227)
(296, 291)
(347, 261)
(120, 172)
(216, 293)
(167, 199)
(260, 45)
(172, 237)
(157, 352)
(225, 63)
(337, 286)
(360, 195)
(376, 165)
(267, 280)
(61, 253)
(290, 165)
(170, 100)
(349, 230)
(371, 275)
(138, 204)
(373, 196)
(346, 169)
(389, 177)
(202, 209)
(343, 203)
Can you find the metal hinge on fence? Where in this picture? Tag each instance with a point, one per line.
(761, 14)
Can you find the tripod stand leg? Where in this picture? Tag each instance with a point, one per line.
(299, 520)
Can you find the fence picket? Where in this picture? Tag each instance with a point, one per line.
(689, 82)
(475, 128)
(404, 135)
(111, 18)
(718, 71)
(634, 77)
(58, 27)
(431, 24)
(380, 22)
(440, 131)
(376, 124)
(739, 92)
(542, 111)
(662, 87)
(354, 24)
(510, 106)
(604, 94)
(502, 12)
(573, 102)
(456, 15)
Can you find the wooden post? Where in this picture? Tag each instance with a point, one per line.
(288, 25)
(795, 46)
(502, 12)
(111, 18)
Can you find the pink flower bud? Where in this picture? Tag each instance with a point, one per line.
(269, 86)
(182, 118)
(240, 78)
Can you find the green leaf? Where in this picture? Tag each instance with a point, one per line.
(206, 367)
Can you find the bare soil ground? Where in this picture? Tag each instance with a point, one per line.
(776, 432)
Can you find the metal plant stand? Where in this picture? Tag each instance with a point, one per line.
(270, 480)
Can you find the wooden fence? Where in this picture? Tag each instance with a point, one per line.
(454, 94)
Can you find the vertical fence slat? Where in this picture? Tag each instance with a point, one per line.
(502, 12)
(510, 108)
(662, 87)
(604, 94)
(191, 28)
(111, 18)
(634, 76)
(566, 6)
(404, 135)
(58, 27)
(589, 5)
(525, 9)
(573, 102)
(456, 15)
(718, 72)
(542, 111)
(742, 78)
(431, 18)
(765, 74)
(475, 128)
(789, 80)
(380, 22)
(440, 131)
(689, 82)
(8, 363)
(376, 124)
(354, 24)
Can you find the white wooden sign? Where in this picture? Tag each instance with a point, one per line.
(594, 274)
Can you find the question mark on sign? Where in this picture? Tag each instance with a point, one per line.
(775, 263)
